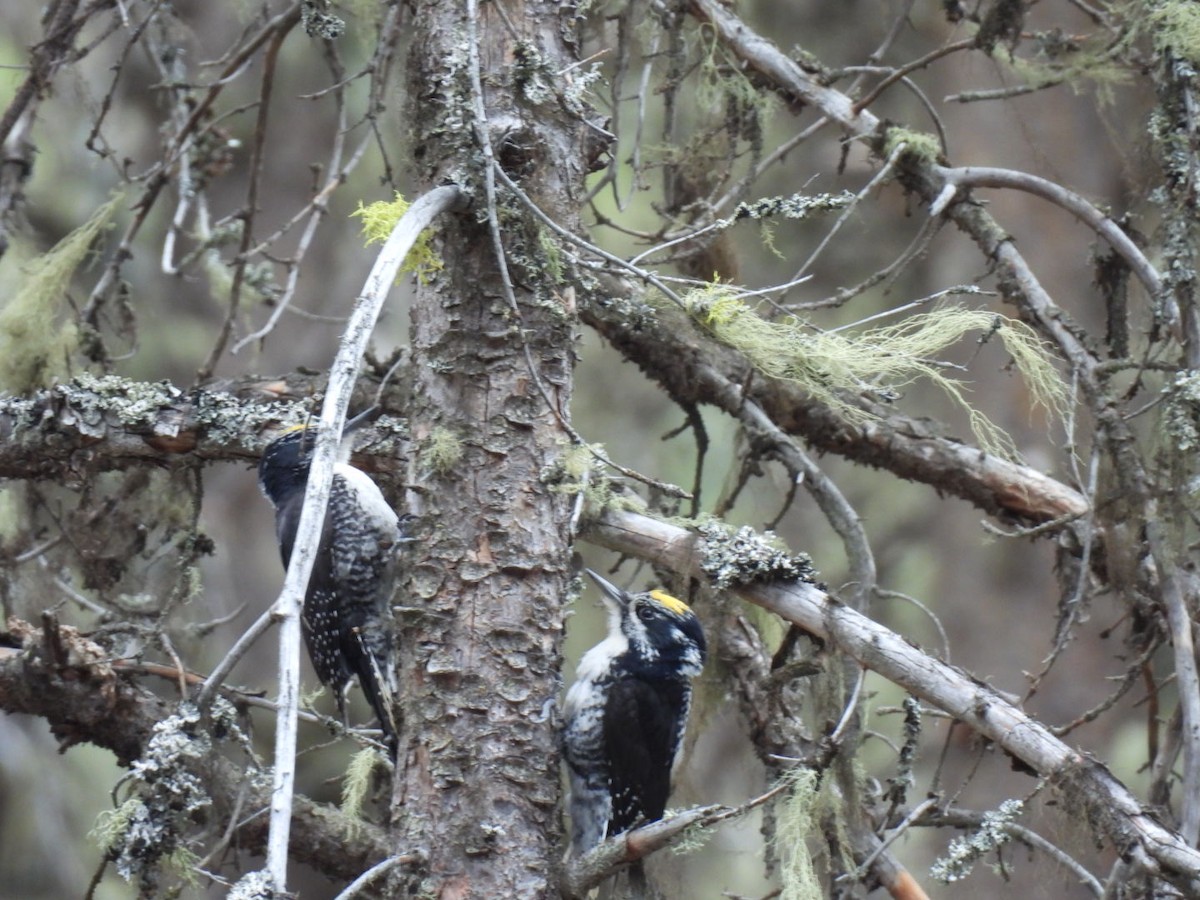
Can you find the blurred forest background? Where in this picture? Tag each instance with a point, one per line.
(1068, 92)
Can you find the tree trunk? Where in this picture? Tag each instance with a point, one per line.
(477, 785)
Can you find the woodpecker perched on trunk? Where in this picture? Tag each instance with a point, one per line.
(347, 616)
(626, 712)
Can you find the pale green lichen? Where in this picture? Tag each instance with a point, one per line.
(1098, 67)
(797, 820)
(577, 471)
(731, 557)
(965, 851)
(442, 451)
(36, 340)
(723, 80)
(12, 513)
(320, 24)
(357, 782)
(378, 221)
(550, 253)
(1175, 25)
(133, 403)
(1181, 412)
(918, 144)
(257, 885)
(148, 831)
(533, 76)
(579, 86)
(793, 206)
(878, 362)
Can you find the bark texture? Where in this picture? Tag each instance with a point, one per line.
(481, 632)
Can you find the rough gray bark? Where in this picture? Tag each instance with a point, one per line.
(480, 656)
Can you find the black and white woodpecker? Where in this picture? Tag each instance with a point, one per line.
(347, 614)
(626, 712)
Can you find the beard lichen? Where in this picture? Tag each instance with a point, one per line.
(37, 341)
(797, 818)
(357, 783)
(878, 362)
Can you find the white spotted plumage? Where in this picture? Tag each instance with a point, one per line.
(347, 613)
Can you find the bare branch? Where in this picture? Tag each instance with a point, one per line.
(1076, 205)
(342, 376)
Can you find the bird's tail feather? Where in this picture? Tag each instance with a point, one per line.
(374, 676)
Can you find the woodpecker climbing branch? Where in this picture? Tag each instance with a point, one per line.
(1134, 830)
(342, 376)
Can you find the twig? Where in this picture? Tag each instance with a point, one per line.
(355, 887)
(236, 652)
(606, 859)
(981, 176)
(920, 63)
(874, 182)
(905, 823)
(850, 709)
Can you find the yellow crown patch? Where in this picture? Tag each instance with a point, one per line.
(676, 606)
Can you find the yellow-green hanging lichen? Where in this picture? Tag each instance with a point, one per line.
(36, 339)
(878, 361)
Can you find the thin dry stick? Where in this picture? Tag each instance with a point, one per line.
(288, 607)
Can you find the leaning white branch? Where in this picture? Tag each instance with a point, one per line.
(1134, 830)
(342, 376)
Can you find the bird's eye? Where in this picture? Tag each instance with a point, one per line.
(645, 613)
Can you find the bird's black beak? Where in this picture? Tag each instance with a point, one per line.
(366, 417)
(610, 590)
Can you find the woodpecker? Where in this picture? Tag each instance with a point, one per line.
(626, 712)
(346, 619)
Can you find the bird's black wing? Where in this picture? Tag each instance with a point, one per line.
(362, 553)
(643, 724)
(320, 618)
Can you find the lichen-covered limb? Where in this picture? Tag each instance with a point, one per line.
(59, 675)
(105, 422)
(693, 368)
(1083, 782)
